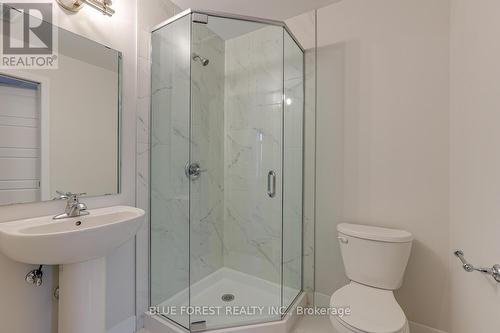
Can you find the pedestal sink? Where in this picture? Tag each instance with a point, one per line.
(80, 246)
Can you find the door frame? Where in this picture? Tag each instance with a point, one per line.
(44, 96)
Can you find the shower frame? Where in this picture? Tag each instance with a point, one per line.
(300, 298)
(229, 16)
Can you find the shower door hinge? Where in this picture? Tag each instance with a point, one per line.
(200, 18)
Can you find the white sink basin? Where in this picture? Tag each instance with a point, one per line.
(43, 240)
(80, 246)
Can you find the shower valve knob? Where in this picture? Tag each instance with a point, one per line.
(193, 170)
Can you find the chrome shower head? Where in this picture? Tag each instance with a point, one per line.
(203, 61)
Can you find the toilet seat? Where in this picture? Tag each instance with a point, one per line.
(373, 310)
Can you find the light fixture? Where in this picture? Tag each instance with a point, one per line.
(104, 6)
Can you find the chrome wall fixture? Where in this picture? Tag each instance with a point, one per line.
(493, 271)
(104, 6)
(202, 60)
(35, 277)
(193, 170)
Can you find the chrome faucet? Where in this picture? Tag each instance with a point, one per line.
(74, 207)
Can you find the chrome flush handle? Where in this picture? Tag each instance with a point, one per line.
(343, 240)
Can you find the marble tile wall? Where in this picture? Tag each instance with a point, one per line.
(253, 107)
(207, 148)
(173, 236)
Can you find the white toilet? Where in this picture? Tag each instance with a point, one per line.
(375, 261)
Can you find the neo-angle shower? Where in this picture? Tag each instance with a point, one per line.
(226, 168)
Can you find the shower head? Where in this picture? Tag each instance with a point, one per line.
(203, 61)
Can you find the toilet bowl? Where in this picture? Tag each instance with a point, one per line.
(372, 310)
(375, 260)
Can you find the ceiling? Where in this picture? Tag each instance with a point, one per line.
(271, 9)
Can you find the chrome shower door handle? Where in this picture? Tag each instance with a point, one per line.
(271, 184)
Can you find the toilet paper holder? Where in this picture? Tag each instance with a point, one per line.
(493, 271)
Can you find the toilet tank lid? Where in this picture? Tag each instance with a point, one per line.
(375, 233)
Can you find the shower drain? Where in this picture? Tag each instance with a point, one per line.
(228, 297)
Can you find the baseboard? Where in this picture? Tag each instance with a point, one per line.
(419, 328)
(321, 300)
(126, 326)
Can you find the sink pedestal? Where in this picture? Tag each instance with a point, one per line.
(74, 243)
(82, 297)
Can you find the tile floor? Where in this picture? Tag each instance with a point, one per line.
(313, 324)
(306, 324)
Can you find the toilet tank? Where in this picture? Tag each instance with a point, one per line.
(374, 256)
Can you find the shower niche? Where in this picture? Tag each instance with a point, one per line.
(227, 116)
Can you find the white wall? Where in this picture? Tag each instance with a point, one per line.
(475, 162)
(383, 139)
(18, 298)
(68, 142)
(331, 130)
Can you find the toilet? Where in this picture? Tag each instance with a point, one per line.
(375, 261)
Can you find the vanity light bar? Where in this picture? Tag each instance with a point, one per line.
(104, 6)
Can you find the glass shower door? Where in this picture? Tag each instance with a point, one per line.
(293, 123)
(235, 171)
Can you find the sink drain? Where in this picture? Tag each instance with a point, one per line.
(228, 297)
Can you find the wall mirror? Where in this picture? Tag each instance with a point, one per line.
(59, 126)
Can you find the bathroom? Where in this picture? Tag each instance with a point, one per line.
(207, 155)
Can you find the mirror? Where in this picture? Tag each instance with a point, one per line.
(59, 125)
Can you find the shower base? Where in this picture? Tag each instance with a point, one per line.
(248, 291)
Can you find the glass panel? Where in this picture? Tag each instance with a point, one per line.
(170, 99)
(236, 122)
(309, 170)
(293, 119)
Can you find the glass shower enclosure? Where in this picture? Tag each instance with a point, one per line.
(227, 114)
